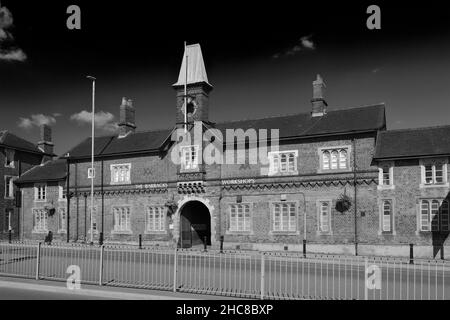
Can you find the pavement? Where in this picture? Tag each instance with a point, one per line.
(28, 289)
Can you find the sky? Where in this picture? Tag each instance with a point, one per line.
(260, 58)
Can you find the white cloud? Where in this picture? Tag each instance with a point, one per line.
(8, 52)
(103, 120)
(36, 120)
(305, 43)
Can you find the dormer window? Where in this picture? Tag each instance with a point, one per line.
(9, 158)
(40, 191)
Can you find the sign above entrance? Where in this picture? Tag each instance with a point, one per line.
(238, 181)
(152, 186)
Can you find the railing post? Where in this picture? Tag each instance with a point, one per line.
(38, 260)
(442, 252)
(221, 244)
(175, 265)
(304, 248)
(263, 268)
(140, 241)
(411, 253)
(100, 276)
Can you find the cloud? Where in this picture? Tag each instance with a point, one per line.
(376, 70)
(36, 120)
(103, 120)
(304, 43)
(8, 50)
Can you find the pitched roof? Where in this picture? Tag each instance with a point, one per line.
(362, 119)
(406, 143)
(10, 140)
(196, 66)
(50, 171)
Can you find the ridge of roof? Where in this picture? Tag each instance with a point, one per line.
(416, 129)
(302, 113)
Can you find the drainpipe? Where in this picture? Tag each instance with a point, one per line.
(355, 203)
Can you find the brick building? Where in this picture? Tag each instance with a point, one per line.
(339, 180)
(16, 157)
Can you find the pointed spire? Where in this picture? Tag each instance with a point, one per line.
(196, 67)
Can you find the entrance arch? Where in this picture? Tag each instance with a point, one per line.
(195, 224)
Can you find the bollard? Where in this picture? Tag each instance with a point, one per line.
(221, 244)
(100, 239)
(442, 252)
(140, 241)
(411, 253)
(9, 236)
(204, 244)
(356, 248)
(304, 248)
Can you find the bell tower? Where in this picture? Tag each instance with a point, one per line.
(193, 74)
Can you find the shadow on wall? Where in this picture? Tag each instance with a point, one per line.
(439, 225)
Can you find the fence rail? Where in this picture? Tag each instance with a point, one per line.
(247, 274)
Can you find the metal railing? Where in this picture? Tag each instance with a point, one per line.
(247, 274)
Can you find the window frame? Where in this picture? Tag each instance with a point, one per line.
(433, 162)
(390, 165)
(12, 153)
(36, 192)
(121, 230)
(319, 205)
(322, 151)
(61, 195)
(45, 214)
(8, 217)
(273, 206)
(190, 168)
(11, 196)
(163, 217)
(429, 213)
(278, 172)
(249, 220)
(112, 169)
(62, 227)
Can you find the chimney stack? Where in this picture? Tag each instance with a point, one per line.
(127, 122)
(319, 105)
(45, 143)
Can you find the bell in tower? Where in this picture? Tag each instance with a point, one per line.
(192, 76)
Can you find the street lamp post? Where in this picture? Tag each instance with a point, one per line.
(92, 156)
(304, 223)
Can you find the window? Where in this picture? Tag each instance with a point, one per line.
(434, 215)
(156, 219)
(385, 176)
(8, 218)
(434, 173)
(387, 216)
(94, 220)
(9, 158)
(40, 220)
(62, 222)
(40, 192)
(324, 216)
(122, 219)
(334, 159)
(283, 162)
(120, 173)
(189, 157)
(240, 218)
(62, 193)
(9, 187)
(284, 217)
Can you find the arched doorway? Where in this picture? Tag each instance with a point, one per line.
(195, 225)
